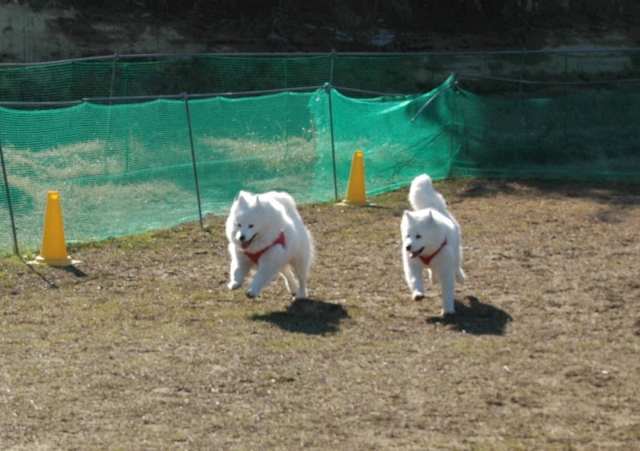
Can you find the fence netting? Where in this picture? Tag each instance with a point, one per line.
(125, 162)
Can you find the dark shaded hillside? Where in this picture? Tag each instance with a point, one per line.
(357, 25)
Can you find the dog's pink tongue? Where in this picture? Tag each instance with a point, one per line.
(245, 244)
(414, 254)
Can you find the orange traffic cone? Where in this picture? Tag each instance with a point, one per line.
(356, 193)
(54, 247)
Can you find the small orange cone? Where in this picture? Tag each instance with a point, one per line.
(356, 193)
(54, 247)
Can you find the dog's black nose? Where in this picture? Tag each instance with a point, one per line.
(408, 248)
(241, 238)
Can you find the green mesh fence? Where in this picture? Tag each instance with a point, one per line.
(590, 135)
(157, 75)
(129, 168)
(395, 148)
(127, 162)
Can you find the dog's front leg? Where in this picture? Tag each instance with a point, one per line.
(240, 267)
(413, 273)
(269, 266)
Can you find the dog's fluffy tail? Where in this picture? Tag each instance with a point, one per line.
(286, 200)
(422, 195)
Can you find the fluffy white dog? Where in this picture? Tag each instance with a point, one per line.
(266, 232)
(431, 239)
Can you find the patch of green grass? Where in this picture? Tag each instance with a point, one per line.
(275, 345)
(141, 241)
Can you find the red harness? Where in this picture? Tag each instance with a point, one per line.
(255, 256)
(427, 259)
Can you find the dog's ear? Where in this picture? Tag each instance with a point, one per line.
(242, 198)
(407, 214)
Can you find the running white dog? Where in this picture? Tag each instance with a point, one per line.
(431, 238)
(266, 232)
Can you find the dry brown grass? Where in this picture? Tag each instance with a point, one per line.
(141, 346)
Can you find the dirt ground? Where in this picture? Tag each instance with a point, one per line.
(141, 346)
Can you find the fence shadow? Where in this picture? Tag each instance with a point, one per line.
(71, 269)
(307, 316)
(477, 318)
(607, 193)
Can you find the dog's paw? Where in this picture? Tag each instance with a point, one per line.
(301, 294)
(234, 285)
(417, 296)
(251, 294)
(446, 314)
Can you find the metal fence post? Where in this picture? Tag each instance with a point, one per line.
(332, 67)
(185, 97)
(6, 186)
(328, 88)
(519, 104)
(116, 57)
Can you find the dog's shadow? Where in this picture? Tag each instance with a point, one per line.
(307, 316)
(476, 318)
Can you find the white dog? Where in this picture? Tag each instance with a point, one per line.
(266, 232)
(431, 238)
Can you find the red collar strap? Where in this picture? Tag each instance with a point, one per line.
(426, 259)
(255, 256)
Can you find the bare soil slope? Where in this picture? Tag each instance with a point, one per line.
(42, 30)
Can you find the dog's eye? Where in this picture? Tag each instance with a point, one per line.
(418, 237)
(251, 226)
(239, 225)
